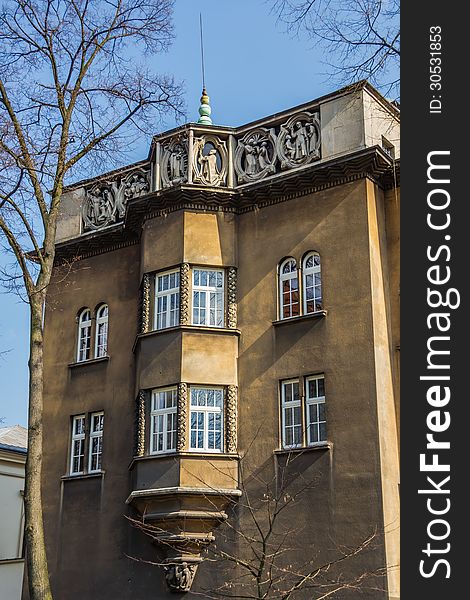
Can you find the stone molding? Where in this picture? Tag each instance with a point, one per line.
(231, 419)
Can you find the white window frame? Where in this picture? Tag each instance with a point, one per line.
(311, 401)
(208, 290)
(155, 413)
(206, 411)
(283, 277)
(316, 269)
(388, 148)
(169, 314)
(77, 437)
(84, 332)
(95, 434)
(291, 405)
(102, 320)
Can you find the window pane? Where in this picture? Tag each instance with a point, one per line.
(208, 302)
(295, 388)
(206, 419)
(210, 398)
(289, 420)
(167, 301)
(316, 413)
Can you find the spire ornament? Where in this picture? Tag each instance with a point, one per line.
(205, 109)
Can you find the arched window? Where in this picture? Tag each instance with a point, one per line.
(289, 302)
(84, 335)
(312, 292)
(101, 335)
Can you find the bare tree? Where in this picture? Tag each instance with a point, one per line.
(75, 89)
(362, 37)
(262, 551)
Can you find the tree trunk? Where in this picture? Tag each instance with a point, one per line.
(36, 560)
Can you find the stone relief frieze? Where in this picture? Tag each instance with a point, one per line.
(105, 202)
(100, 207)
(298, 142)
(174, 162)
(255, 156)
(210, 161)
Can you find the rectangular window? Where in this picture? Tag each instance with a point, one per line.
(163, 424)
(388, 147)
(315, 406)
(77, 453)
(208, 297)
(290, 297)
(96, 442)
(291, 414)
(167, 300)
(86, 442)
(303, 417)
(207, 410)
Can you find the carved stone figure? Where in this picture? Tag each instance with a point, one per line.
(290, 148)
(299, 140)
(136, 185)
(209, 166)
(301, 144)
(312, 138)
(263, 155)
(176, 165)
(255, 155)
(99, 208)
(251, 163)
(179, 577)
(107, 201)
(174, 162)
(210, 159)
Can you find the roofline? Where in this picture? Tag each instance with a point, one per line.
(16, 449)
(83, 182)
(348, 89)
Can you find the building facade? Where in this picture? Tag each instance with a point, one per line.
(221, 338)
(13, 444)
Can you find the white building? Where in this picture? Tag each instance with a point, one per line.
(13, 442)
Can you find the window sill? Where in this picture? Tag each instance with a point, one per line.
(322, 446)
(90, 361)
(193, 328)
(83, 476)
(319, 314)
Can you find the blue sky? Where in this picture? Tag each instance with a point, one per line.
(253, 69)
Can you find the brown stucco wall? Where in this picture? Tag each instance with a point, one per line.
(343, 505)
(86, 532)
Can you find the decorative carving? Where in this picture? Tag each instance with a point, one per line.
(145, 308)
(134, 185)
(106, 201)
(210, 160)
(298, 142)
(255, 156)
(180, 576)
(174, 164)
(182, 416)
(231, 418)
(232, 298)
(140, 437)
(185, 317)
(99, 208)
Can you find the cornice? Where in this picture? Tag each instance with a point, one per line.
(371, 162)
